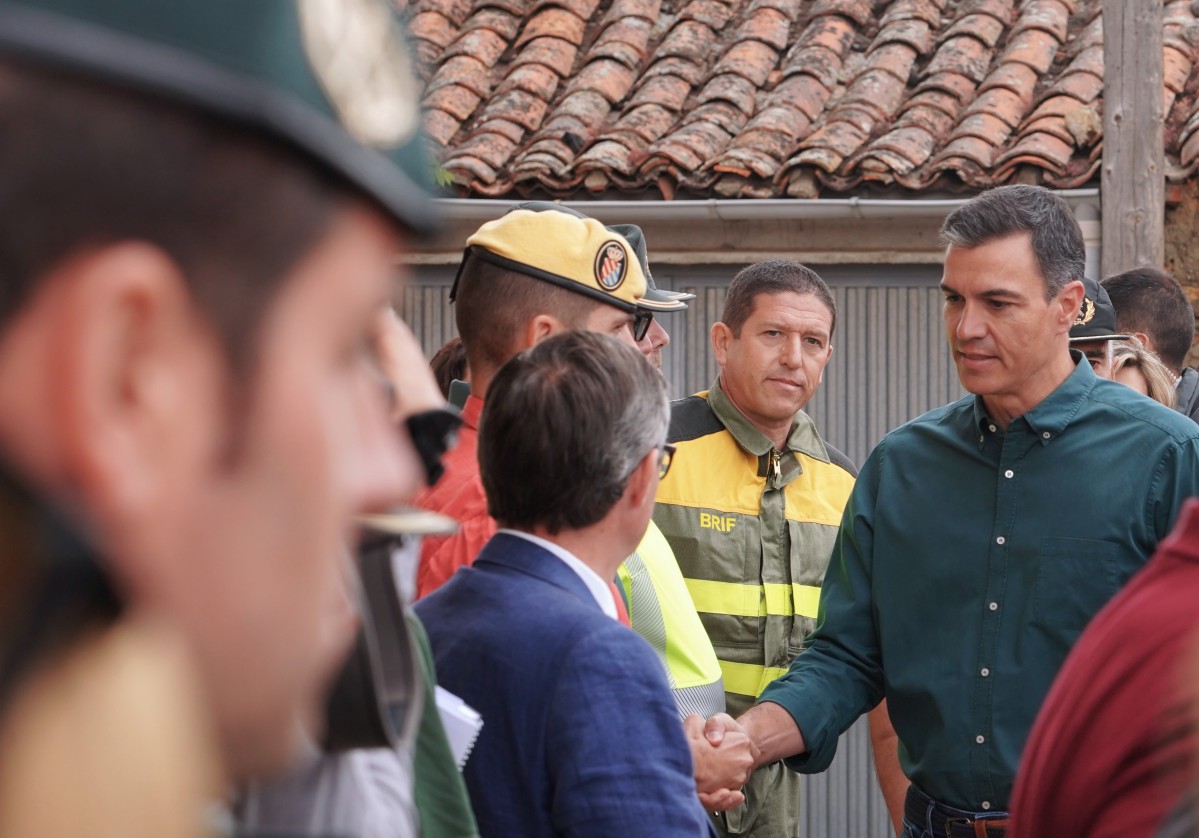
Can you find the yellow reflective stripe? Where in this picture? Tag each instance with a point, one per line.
(727, 598)
(754, 600)
(807, 600)
(748, 678)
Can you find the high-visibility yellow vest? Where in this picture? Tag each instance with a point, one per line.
(660, 610)
(752, 530)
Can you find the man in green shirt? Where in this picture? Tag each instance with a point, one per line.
(981, 538)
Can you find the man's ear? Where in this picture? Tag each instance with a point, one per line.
(1070, 301)
(642, 485)
(131, 357)
(538, 329)
(722, 335)
(1145, 341)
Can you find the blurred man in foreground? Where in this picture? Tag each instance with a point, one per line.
(580, 735)
(195, 249)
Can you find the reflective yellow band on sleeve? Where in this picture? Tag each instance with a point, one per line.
(747, 678)
(754, 600)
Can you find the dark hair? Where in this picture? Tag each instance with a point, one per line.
(1151, 301)
(87, 165)
(776, 276)
(1008, 210)
(449, 363)
(494, 304)
(563, 427)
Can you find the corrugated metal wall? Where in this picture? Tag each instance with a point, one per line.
(890, 364)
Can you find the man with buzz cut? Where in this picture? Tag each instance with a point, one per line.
(513, 291)
(752, 508)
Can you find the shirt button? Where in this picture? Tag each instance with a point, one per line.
(984, 672)
(991, 428)
(1000, 541)
(986, 804)
(1009, 474)
(1045, 435)
(994, 606)
(980, 739)
(981, 438)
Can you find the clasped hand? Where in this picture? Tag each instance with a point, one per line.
(724, 757)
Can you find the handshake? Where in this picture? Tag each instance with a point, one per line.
(724, 756)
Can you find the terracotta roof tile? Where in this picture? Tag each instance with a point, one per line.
(1014, 76)
(1177, 69)
(626, 9)
(513, 7)
(486, 45)
(669, 91)
(963, 54)
(859, 11)
(518, 106)
(555, 53)
(986, 127)
(1003, 104)
(588, 107)
(938, 100)
(1082, 86)
(1051, 16)
(433, 27)
(624, 41)
(536, 79)
(688, 39)
(505, 24)
(732, 88)
(756, 98)
(710, 13)
(928, 11)
(915, 33)
(440, 126)
(752, 59)
(804, 93)
(555, 22)
(506, 128)
(611, 79)
(1034, 47)
(986, 28)
(649, 121)
(455, 100)
(455, 10)
(770, 26)
(465, 71)
(582, 9)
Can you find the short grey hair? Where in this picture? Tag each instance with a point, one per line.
(564, 426)
(1057, 239)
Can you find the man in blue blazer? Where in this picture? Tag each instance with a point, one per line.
(580, 734)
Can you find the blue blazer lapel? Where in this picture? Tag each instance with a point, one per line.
(523, 556)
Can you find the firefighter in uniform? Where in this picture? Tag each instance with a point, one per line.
(754, 500)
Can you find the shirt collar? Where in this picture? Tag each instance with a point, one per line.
(1050, 417)
(600, 589)
(802, 438)
(471, 411)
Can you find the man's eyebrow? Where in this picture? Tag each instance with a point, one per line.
(992, 293)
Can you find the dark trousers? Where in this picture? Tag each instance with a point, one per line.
(924, 817)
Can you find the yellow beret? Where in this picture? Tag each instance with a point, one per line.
(579, 254)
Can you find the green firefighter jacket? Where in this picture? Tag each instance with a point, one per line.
(752, 529)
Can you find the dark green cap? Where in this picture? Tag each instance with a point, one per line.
(332, 78)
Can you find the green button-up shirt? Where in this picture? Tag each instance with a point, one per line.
(968, 562)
